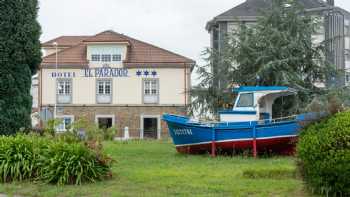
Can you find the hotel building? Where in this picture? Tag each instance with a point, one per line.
(113, 80)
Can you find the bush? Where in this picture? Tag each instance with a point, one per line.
(109, 133)
(50, 127)
(91, 130)
(59, 160)
(18, 156)
(324, 155)
(64, 163)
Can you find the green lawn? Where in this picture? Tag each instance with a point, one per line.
(153, 168)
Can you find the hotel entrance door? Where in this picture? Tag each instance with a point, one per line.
(150, 128)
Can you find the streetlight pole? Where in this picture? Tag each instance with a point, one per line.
(56, 70)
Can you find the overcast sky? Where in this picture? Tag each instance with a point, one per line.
(176, 25)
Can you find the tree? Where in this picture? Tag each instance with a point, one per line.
(277, 50)
(20, 55)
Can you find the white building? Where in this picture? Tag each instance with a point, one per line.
(113, 80)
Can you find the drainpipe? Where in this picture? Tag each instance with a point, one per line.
(56, 70)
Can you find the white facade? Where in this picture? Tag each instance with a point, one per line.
(125, 90)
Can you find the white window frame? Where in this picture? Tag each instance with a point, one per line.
(96, 55)
(104, 94)
(62, 117)
(64, 91)
(151, 93)
(97, 116)
(116, 59)
(103, 56)
(159, 128)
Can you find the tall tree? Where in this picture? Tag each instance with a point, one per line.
(20, 55)
(277, 50)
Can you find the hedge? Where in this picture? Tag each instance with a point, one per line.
(324, 155)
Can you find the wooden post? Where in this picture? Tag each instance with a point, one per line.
(213, 145)
(254, 142)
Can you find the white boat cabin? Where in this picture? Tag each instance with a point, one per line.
(254, 103)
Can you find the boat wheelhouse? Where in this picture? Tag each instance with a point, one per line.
(254, 103)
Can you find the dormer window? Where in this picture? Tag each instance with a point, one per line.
(106, 58)
(116, 58)
(95, 57)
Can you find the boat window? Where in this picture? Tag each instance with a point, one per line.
(246, 100)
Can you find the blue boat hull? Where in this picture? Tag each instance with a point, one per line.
(193, 137)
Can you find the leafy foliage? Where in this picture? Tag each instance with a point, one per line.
(277, 50)
(109, 134)
(18, 156)
(74, 163)
(52, 160)
(20, 53)
(324, 153)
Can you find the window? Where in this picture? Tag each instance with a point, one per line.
(104, 121)
(151, 90)
(346, 30)
(106, 58)
(95, 57)
(116, 57)
(246, 100)
(347, 55)
(65, 124)
(104, 91)
(64, 91)
(347, 77)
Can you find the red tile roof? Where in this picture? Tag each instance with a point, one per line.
(65, 41)
(74, 56)
(139, 52)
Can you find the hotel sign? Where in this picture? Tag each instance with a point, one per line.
(103, 72)
(93, 72)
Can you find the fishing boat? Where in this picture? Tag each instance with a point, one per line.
(248, 125)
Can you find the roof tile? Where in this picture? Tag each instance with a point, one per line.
(65, 41)
(138, 51)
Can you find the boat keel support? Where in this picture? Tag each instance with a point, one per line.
(254, 142)
(213, 145)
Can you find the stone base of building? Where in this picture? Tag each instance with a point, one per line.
(136, 118)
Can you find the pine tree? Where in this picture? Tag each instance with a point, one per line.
(20, 55)
(277, 50)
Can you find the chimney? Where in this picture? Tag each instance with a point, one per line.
(330, 2)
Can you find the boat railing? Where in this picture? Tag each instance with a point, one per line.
(276, 120)
(248, 123)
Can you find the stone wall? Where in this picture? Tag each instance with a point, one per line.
(125, 116)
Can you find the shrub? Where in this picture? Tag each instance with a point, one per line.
(64, 163)
(56, 160)
(50, 127)
(91, 130)
(18, 156)
(324, 155)
(109, 133)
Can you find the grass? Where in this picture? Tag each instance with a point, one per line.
(153, 168)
